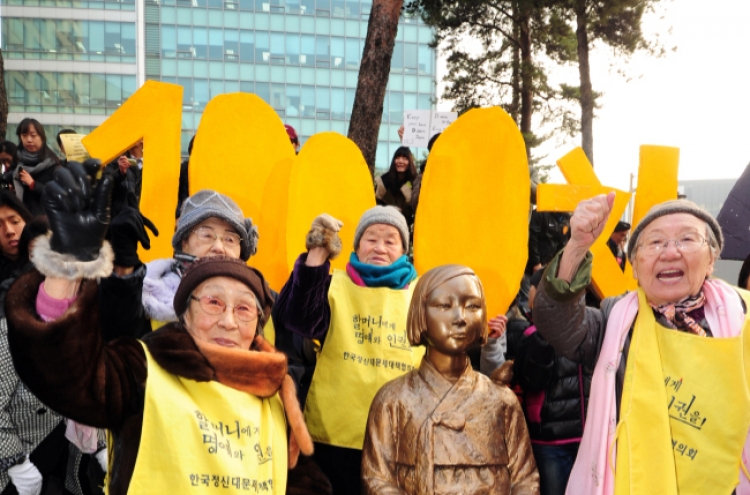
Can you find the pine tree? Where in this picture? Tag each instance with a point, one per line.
(516, 40)
(617, 23)
(374, 70)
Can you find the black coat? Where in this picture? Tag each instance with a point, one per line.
(563, 384)
(548, 234)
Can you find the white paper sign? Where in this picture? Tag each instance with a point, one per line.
(441, 120)
(416, 128)
(421, 125)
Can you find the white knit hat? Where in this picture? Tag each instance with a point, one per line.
(205, 204)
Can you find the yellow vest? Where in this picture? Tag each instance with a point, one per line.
(205, 437)
(365, 347)
(703, 384)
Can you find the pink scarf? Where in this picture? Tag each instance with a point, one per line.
(593, 472)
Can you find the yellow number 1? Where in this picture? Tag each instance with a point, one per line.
(153, 113)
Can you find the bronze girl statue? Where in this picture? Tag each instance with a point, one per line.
(445, 428)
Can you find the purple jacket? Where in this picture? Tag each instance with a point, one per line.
(302, 306)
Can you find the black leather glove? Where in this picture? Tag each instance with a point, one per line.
(78, 219)
(127, 229)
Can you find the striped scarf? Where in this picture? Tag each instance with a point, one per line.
(677, 317)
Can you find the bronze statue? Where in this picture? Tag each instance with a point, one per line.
(445, 428)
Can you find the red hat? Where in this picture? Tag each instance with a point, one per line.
(291, 132)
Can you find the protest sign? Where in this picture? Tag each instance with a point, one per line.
(421, 125)
(74, 149)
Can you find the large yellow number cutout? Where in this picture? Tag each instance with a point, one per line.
(657, 182)
(154, 114)
(239, 141)
(474, 205)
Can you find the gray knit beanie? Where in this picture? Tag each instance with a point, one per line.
(668, 208)
(383, 214)
(205, 204)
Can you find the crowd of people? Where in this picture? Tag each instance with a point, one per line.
(160, 378)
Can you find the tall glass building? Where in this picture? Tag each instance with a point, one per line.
(71, 63)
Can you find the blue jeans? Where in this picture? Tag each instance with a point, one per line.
(554, 463)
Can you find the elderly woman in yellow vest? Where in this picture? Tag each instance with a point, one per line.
(669, 409)
(196, 406)
(137, 298)
(445, 428)
(359, 315)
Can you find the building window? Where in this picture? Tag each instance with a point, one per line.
(78, 4)
(59, 92)
(49, 39)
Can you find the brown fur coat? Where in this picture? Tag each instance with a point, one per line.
(67, 365)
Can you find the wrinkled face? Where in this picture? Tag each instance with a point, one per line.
(380, 245)
(32, 141)
(11, 226)
(454, 316)
(402, 164)
(224, 329)
(212, 237)
(671, 274)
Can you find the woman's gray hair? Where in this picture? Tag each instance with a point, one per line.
(713, 243)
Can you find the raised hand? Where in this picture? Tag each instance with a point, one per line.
(326, 221)
(586, 224)
(323, 241)
(78, 218)
(127, 229)
(589, 219)
(498, 325)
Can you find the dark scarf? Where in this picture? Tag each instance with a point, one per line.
(34, 164)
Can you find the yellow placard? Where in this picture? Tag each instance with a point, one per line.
(474, 204)
(239, 141)
(657, 178)
(75, 151)
(607, 277)
(154, 114)
(657, 182)
(271, 257)
(329, 176)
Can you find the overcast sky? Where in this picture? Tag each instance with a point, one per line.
(697, 98)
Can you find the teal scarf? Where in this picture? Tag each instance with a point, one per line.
(397, 275)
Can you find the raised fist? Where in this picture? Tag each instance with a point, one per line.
(324, 234)
(589, 219)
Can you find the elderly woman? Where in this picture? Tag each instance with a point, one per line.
(360, 315)
(138, 298)
(198, 403)
(211, 224)
(669, 409)
(444, 428)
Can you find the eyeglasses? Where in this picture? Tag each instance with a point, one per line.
(688, 243)
(207, 235)
(215, 306)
